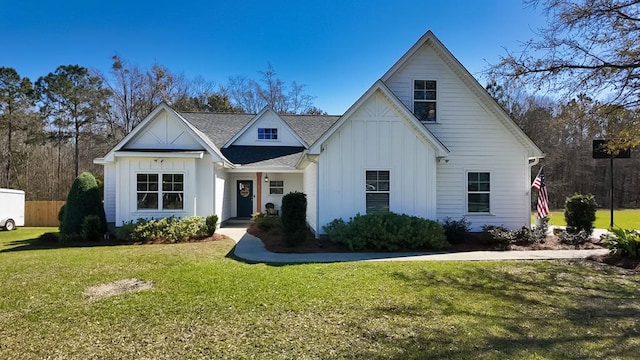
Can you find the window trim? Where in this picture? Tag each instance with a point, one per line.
(413, 99)
(271, 130)
(160, 192)
(367, 191)
(271, 187)
(468, 192)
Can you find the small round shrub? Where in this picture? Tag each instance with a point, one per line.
(211, 223)
(456, 230)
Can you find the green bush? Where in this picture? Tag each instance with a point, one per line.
(456, 230)
(624, 243)
(387, 232)
(499, 235)
(83, 200)
(580, 213)
(211, 223)
(169, 229)
(294, 217)
(574, 238)
(91, 228)
(269, 224)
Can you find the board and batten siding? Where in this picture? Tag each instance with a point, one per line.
(110, 192)
(222, 200)
(376, 137)
(477, 141)
(204, 196)
(127, 168)
(310, 187)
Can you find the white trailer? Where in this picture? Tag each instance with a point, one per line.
(11, 208)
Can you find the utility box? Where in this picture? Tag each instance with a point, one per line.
(11, 208)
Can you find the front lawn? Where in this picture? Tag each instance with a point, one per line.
(206, 305)
(624, 219)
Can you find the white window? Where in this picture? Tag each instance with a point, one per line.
(424, 100)
(478, 192)
(267, 134)
(149, 192)
(276, 187)
(377, 191)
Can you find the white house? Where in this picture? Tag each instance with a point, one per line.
(426, 139)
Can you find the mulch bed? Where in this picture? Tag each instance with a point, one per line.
(274, 243)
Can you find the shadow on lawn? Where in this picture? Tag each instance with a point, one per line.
(550, 309)
(50, 241)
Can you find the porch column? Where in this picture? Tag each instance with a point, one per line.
(259, 192)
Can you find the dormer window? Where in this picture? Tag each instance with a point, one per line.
(424, 100)
(267, 134)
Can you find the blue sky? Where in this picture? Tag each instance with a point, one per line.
(337, 48)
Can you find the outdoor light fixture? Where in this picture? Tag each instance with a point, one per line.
(266, 178)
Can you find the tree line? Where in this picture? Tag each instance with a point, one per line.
(52, 128)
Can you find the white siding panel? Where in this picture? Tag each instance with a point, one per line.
(477, 142)
(376, 137)
(110, 192)
(128, 168)
(222, 195)
(310, 187)
(165, 131)
(205, 197)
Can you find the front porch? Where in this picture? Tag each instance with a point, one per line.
(249, 192)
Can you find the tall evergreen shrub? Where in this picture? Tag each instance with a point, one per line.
(83, 200)
(294, 218)
(580, 213)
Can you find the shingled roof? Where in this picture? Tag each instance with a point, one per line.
(222, 127)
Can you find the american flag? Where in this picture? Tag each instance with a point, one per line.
(543, 199)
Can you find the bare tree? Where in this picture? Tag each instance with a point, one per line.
(589, 47)
(271, 91)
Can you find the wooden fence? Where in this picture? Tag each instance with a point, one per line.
(42, 213)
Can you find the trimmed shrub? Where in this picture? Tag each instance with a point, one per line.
(294, 218)
(269, 224)
(456, 230)
(580, 213)
(624, 243)
(83, 200)
(169, 229)
(211, 224)
(387, 232)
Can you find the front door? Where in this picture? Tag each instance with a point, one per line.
(245, 198)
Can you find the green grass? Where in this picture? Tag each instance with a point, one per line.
(625, 219)
(206, 305)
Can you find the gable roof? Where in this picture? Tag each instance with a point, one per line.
(222, 127)
(441, 150)
(487, 100)
(197, 134)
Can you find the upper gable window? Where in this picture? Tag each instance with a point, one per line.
(424, 100)
(267, 134)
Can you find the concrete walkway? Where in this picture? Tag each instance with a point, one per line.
(251, 249)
